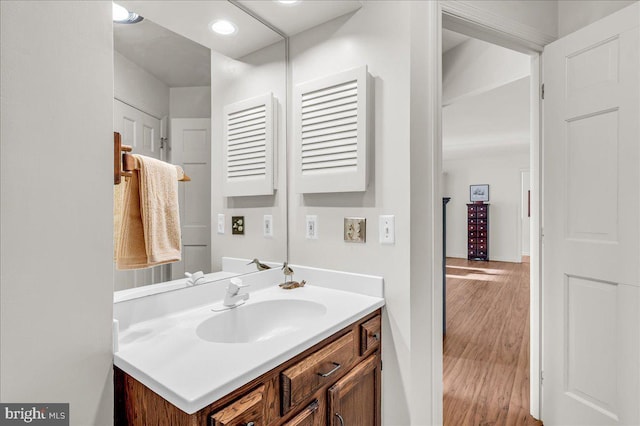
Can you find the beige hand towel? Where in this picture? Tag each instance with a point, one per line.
(150, 230)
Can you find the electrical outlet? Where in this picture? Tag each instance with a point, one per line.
(387, 229)
(355, 229)
(220, 224)
(237, 225)
(312, 227)
(267, 225)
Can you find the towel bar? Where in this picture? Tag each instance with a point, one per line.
(124, 164)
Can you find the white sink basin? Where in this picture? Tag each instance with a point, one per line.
(259, 321)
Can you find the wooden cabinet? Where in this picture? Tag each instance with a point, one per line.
(478, 231)
(339, 375)
(355, 399)
(248, 410)
(370, 335)
(313, 415)
(302, 379)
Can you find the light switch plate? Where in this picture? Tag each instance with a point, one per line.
(355, 229)
(311, 227)
(267, 225)
(221, 224)
(387, 229)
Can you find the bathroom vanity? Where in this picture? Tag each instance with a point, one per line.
(308, 356)
(335, 382)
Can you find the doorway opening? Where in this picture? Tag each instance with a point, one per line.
(486, 144)
(472, 26)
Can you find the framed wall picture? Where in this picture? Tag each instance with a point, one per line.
(479, 193)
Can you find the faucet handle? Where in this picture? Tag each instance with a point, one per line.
(235, 284)
(192, 279)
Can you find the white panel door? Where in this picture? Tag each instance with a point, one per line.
(591, 243)
(191, 148)
(142, 132)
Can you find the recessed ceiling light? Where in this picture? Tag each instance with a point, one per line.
(223, 27)
(122, 16)
(288, 1)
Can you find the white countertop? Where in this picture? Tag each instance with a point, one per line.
(166, 355)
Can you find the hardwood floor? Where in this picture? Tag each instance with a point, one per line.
(486, 349)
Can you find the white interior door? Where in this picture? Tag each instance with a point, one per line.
(191, 148)
(591, 294)
(142, 132)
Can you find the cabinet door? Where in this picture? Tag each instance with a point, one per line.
(313, 415)
(247, 411)
(355, 399)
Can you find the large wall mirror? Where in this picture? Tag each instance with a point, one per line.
(174, 77)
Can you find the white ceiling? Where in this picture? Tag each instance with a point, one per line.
(451, 39)
(297, 17)
(173, 59)
(191, 19)
(498, 118)
(174, 39)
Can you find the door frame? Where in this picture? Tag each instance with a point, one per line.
(466, 18)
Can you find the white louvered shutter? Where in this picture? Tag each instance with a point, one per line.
(249, 147)
(331, 125)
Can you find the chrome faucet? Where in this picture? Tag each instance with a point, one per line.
(233, 298)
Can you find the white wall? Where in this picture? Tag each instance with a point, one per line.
(137, 87)
(232, 81)
(56, 275)
(190, 102)
(469, 69)
(502, 172)
(575, 14)
(366, 37)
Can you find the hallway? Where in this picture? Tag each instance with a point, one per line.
(486, 349)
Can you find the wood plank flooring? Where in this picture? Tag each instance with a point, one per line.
(486, 349)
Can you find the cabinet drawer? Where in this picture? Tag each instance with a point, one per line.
(248, 410)
(481, 208)
(472, 228)
(370, 334)
(472, 253)
(313, 415)
(302, 379)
